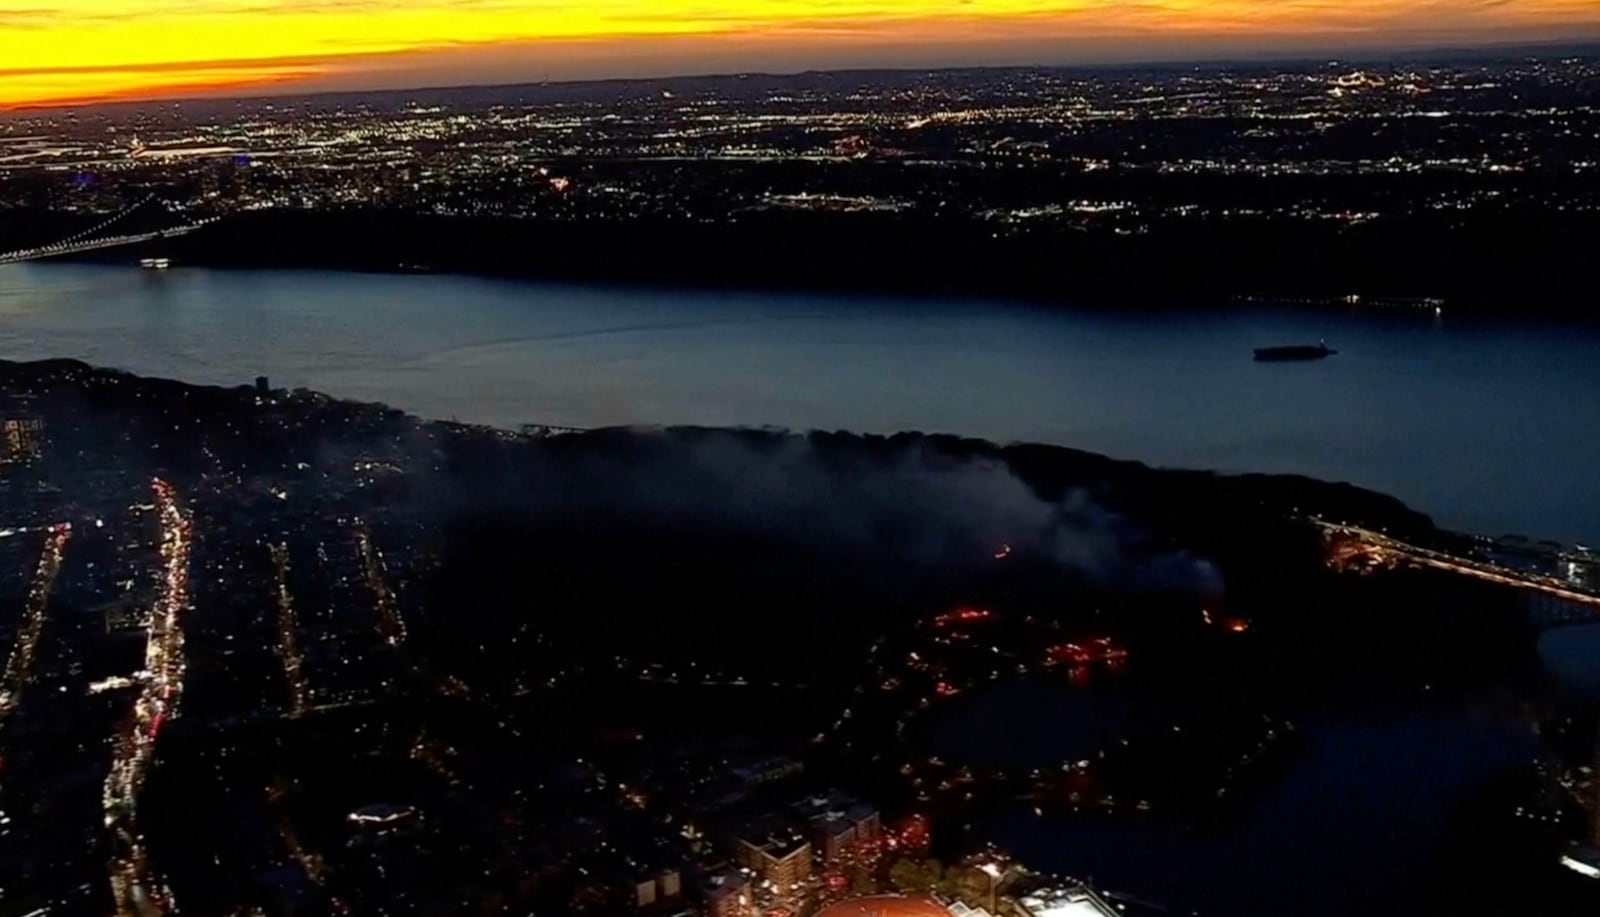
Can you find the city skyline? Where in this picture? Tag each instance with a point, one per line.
(101, 50)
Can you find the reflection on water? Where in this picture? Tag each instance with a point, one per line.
(1489, 426)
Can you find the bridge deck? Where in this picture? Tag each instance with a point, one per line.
(1384, 546)
(88, 245)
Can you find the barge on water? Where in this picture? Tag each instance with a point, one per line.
(1294, 352)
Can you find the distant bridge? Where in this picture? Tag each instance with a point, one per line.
(1349, 543)
(96, 239)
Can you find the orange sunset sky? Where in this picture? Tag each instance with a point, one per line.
(54, 51)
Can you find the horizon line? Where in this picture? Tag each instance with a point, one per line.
(1589, 45)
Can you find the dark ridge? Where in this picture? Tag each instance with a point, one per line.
(1499, 264)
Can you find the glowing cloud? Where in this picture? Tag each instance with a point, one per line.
(52, 50)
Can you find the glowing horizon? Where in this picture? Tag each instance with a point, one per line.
(56, 51)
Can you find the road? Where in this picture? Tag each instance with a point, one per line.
(19, 667)
(392, 626)
(133, 885)
(1384, 549)
(288, 639)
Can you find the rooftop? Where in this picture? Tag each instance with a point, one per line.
(775, 837)
(1067, 901)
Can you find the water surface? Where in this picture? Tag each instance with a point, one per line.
(1488, 426)
(1363, 822)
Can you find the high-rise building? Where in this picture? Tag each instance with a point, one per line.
(839, 826)
(21, 439)
(777, 853)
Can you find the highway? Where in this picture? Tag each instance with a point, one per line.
(1381, 548)
(19, 667)
(134, 888)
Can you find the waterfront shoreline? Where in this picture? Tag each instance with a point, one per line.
(1178, 264)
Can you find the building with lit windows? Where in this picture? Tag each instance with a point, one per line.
(776, 853)
(839, 826)
(21, 439)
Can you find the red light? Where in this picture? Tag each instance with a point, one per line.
(1238, 625)
(1091, 650)
(961, 615)
(1069, 653)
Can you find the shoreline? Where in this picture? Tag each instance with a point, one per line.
(1041, 458)
(1172, 266)
(534, 431)
(443, 376)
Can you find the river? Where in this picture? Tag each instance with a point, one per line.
(1489, 426)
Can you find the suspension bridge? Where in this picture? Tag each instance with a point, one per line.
(111, 232)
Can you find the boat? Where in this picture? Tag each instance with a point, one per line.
(155, 264)
(1315, 351)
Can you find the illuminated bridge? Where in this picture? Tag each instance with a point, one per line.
(1350, 544)
(106, 235)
